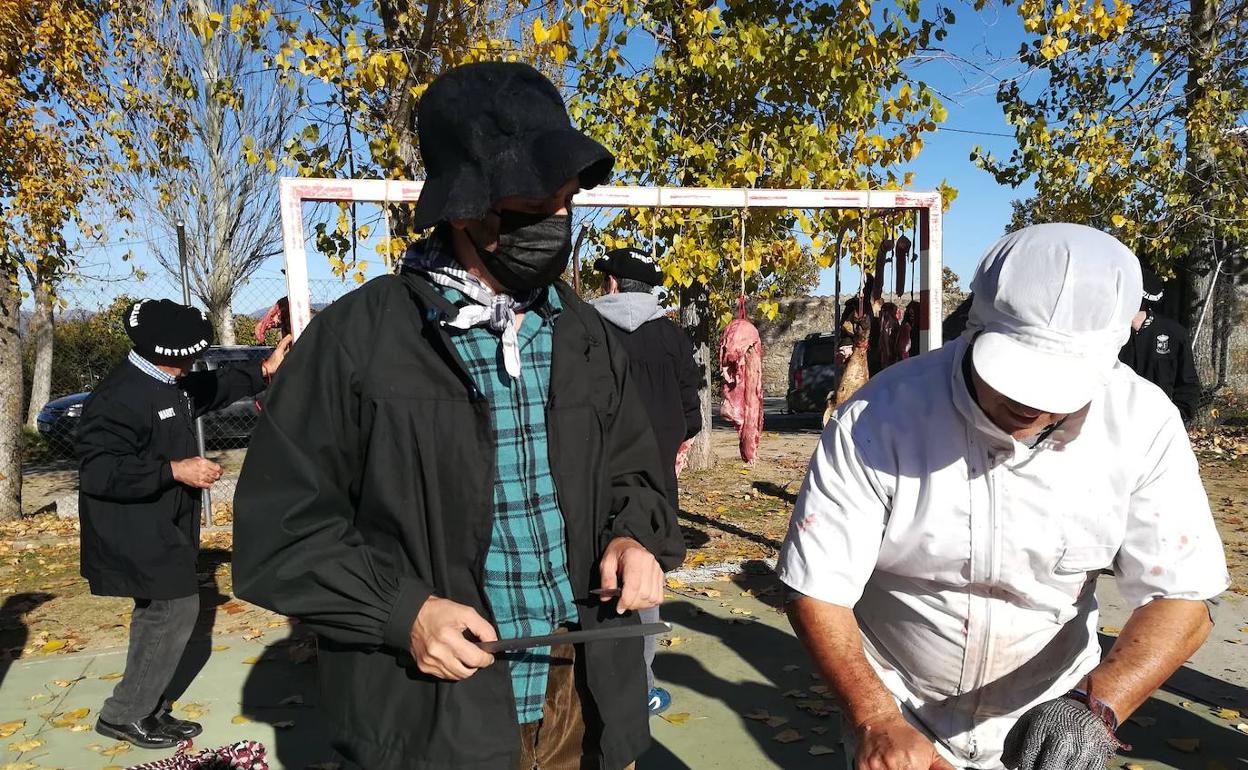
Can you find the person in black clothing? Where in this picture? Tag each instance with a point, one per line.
(660, 358)
(471, 463)
(955, 323)
(1158, 350)
(138, 501)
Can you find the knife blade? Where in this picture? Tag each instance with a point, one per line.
(575, 637)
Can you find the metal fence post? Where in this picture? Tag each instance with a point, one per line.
(205, 515)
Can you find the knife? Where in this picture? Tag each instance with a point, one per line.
(576, 637)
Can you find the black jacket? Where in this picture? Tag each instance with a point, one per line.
(368, 488)
(660, 361)
(140, 528)
(1159, 352)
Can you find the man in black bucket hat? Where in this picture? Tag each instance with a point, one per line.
(474, 464)
(139, 501)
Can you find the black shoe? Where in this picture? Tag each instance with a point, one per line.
(147, 733)
(180, 729)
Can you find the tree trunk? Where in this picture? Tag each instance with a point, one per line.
(695, 316)
(222, 319)
(10, 397)
(1198, 268)
(41, 336)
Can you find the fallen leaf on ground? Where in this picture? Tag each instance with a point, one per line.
(27, 745)
(674, 641)
(776, 721)
(239, 720)
(759, 715)
(53, 645)
(8, 728)
(674, 584)
(790, 667)
(740, 611)
(787, 736)
(114, 750)
(675, 719)
(194, 710)
(1227, 714)
(70, 718)
(819, 689)
(1187, 704)
(253, 660)
(293, 700)
(1142, 721)
(1133, 766)
(220, 647)
(795, 694)
(20, 766)
(109, 677)
(79, 728)
(1186, 745)
(1111, 630)
(1243, 728)
(818, 729)
(818, 750)
(284, 724)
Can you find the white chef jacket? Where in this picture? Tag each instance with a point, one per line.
(970, 559)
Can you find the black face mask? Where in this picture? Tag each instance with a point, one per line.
(532, 250)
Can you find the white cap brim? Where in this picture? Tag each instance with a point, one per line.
(1058, 383)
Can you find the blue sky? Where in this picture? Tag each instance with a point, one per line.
(981, 47)
(986, 41)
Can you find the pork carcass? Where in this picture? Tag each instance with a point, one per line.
(278, 316)
(682, 456)
(855, 373)
(910, 330)
(741, 366)
(890, 335)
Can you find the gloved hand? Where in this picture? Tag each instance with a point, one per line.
(1062, 734)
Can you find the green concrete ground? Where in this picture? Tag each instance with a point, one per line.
(730, 656)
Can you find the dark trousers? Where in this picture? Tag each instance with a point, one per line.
(159, 631)
(557, 740)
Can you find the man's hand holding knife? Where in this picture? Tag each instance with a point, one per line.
(628, 574)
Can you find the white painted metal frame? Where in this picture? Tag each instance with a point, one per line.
(294, 191)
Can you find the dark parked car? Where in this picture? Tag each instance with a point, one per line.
(228, 427)
(812, 372)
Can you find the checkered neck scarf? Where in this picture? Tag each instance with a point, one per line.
(497, 312)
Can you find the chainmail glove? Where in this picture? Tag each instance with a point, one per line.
(1062, 734)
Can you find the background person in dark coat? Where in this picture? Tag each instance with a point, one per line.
(660, 358)
(473, 457)
(139, 503)
(1159, 351)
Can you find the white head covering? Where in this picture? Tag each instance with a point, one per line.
(1053, 306)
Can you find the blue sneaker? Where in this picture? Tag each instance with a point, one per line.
(659, 701)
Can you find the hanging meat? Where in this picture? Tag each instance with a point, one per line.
(910, 330)
(682, 456)
(902, 253)
(855, 373)
(278, 316)
(741, 366)
(890, 335)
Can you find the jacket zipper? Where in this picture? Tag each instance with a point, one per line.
(985, 635)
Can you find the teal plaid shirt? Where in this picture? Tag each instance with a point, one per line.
(526, 568)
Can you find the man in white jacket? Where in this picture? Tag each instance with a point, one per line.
(948, 536)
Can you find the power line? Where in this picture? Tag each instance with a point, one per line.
(976, 133)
